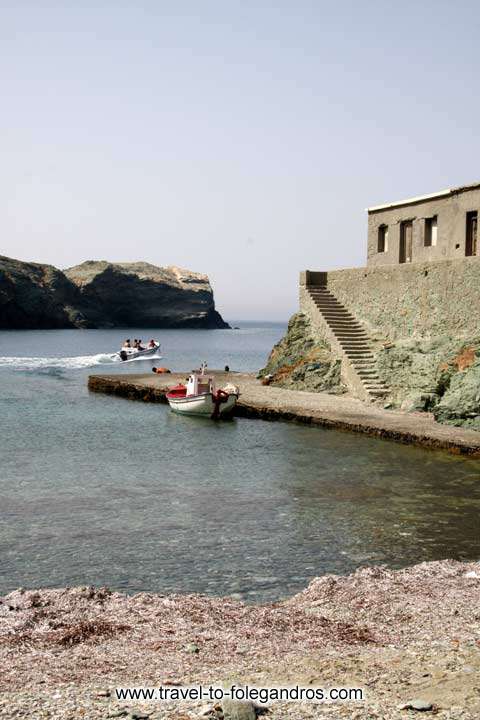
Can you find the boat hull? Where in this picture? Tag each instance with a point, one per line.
(132, 354)
(201, 405)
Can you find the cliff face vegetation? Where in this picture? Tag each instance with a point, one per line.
(102, 294)
(300, 362)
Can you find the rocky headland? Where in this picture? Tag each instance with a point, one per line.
(99, 294)
(409, 638)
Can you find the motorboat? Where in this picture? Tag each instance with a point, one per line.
(132, 353)
(201, 397)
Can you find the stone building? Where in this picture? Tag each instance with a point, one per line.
(441, 226)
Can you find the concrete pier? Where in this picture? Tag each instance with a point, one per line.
(271, 403)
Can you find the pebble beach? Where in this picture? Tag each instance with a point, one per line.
(410, 638)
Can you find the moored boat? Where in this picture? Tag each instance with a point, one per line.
(200, 397)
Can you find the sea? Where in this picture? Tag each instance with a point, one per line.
(98, 490)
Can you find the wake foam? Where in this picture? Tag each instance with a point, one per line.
(72, 363)
(69, 363)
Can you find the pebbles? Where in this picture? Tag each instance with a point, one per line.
(412, 633)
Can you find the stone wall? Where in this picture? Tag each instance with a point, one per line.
(419, 300)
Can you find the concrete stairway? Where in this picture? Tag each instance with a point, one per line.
(351, 338)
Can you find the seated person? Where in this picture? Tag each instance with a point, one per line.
(152, 343)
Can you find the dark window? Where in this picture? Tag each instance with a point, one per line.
(430, 237)
(471, 233)
(406, 238)
(383, 238)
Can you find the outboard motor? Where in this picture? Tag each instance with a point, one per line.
(123, 355)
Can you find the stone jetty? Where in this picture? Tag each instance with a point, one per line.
(313, 408)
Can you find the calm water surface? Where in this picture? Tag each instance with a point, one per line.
(101, 490)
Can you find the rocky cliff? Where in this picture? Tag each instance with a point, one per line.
(144, 295)
(301, 362)
(37, 296)
(102, 294)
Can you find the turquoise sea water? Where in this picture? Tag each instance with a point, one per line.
(101, 490)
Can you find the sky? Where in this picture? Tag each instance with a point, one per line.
(240, 139)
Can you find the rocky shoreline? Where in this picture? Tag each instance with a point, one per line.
(407, 637)
(440, 374)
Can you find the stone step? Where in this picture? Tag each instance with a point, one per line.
(348, 342)
(334, 315)
(332, 309)
(352, 338)
(362, 354)
(355, 349)
(346, 330)
(342, 320)
(352, 333)
(341, 324)
(329, 304)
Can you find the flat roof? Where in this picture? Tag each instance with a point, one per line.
(423, 198)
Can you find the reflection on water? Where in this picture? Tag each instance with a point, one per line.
(105, 491)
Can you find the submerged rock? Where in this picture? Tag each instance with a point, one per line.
(102, 294)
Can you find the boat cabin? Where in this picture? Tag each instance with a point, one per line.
(198, 384)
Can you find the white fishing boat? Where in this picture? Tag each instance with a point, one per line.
(131, 353)
(200, 397)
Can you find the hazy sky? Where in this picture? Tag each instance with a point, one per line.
(240, 139)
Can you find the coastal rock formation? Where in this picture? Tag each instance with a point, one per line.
(440, 375)
(37, 296)
(460, 404)
(144, 295)
(102, 294)
(301, 362)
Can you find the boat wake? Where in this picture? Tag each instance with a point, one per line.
(71, 363)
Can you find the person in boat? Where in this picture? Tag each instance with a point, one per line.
(140, 346)
(127, 343)
(152, 343)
